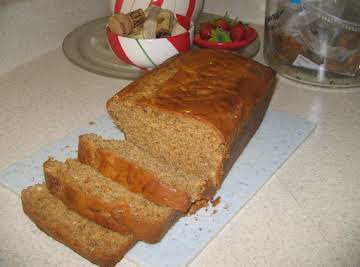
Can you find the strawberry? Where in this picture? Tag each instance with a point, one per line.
(248, 32)
(205, 30)
(238, 32)
(222, 24)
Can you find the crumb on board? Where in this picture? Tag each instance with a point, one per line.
(197, 206)
(91, 122)
(216, 201)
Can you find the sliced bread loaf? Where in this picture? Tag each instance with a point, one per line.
(158, 181)
(99, 245)
(106, 202)
(198, 110)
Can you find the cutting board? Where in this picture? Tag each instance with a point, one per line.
(277, 138)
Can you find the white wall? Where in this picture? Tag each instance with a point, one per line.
(246, 10)
(29, 28)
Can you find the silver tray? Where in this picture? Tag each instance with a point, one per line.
(87, 47)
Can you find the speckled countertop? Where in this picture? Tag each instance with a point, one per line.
(308, 214)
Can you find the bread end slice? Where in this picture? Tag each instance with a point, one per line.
(99, 245)
(106, 202)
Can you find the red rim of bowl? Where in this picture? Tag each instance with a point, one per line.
(251, 36)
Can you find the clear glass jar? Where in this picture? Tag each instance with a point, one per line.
(314, 41)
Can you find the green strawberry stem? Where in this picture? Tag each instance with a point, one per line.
(220, 36)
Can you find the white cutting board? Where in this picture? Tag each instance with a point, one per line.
(277, 138)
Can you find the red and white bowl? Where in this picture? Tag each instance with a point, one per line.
(149, 53)
(187, 8)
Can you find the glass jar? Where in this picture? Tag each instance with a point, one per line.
(314, 41)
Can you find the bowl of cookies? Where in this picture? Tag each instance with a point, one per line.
(187, 8)
(147, 37)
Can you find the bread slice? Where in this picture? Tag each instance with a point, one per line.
(158, 181)
(106, 202)
(198, 110)
(99, 245)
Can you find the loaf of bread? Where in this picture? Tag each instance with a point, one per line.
(99, 245)
(186, 122)
(197, 111)
(131, 166)
(106, 202)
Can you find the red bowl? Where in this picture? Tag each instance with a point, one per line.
(250, 37)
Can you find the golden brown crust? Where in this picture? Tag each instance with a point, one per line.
(245, 132)
(224, 94)
(62, 232)
(134, 177)
(116, 216)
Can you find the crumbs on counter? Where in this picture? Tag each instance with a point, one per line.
(214, 212)
(91, 123)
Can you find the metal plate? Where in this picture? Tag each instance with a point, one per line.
(87, 47)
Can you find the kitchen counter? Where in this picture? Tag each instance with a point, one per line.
(308, 214)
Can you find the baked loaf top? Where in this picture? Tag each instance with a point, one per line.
(90, 240)
(197, 111)
(211, 85)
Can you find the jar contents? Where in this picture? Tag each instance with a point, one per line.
(122, 24)
(152, 23)
(317, 40)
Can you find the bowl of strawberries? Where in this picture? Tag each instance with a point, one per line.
(224, 33)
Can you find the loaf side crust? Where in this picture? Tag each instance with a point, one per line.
(245, 132)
